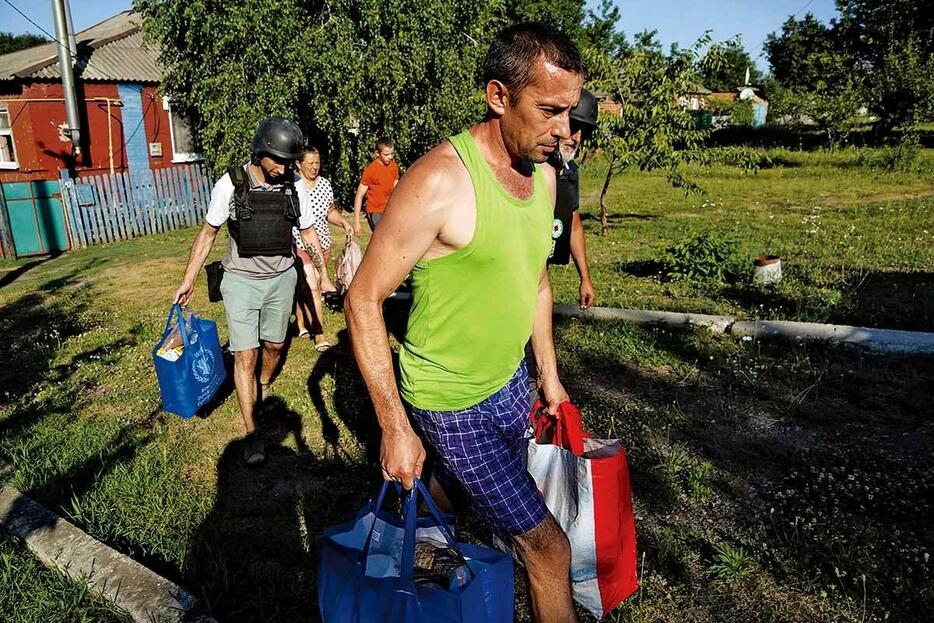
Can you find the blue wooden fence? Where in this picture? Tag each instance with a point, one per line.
(108, 208)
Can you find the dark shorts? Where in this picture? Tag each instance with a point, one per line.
(478, 453)
(373, 219)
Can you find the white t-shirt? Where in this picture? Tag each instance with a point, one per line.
(260, 266)
(321, 198)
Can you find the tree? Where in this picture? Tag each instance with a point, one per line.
(600, 32)
(892, 42)
(566, 15)
(807, 55)
(652, 130)
(881, 49)
(731, 71)
(349, 71)
(11, 43)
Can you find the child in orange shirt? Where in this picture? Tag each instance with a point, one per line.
(377, 182)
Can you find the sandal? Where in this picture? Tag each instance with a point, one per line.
(254, 451)
(321, 343)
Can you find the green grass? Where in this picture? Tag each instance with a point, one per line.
(814, 463)
(31, 593)
(857, 245)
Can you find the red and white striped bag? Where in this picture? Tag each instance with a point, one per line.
(585, 483)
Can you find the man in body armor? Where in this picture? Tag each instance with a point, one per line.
(260, 206)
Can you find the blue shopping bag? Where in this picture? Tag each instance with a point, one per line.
(367, 571)
(190, 372)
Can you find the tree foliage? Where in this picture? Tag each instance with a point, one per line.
(348, 70)
(730, 72)
(652, 129)
(878, 53)
(11, 43)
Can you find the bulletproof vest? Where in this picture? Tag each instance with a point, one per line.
(264, 218)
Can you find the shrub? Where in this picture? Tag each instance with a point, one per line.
(707, 256)
(904, 157)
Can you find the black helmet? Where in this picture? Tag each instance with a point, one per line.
(278, 137)
(586, 110)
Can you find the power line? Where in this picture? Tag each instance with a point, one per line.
(87, 64)
(58, 41)
(794, 15)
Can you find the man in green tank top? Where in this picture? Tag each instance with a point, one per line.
(471, 220)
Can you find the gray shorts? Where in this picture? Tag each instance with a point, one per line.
(258, 309)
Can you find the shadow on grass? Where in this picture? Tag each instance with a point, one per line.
(815, 458)
(899, 300)
(640, 268)
(59, 455)
(254, 556)
(350, 399)
(615, 218)
(16, 273)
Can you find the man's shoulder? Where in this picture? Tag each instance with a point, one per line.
(441, 164)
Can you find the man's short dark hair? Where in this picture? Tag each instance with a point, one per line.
(514, 53)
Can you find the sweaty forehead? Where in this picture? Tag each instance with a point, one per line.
(553, 85)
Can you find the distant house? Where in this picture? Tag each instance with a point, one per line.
(701, 98)
(695, 98)
(126, 126)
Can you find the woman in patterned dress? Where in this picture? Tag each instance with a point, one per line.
(324, 211)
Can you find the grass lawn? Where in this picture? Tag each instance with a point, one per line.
(772, 483)
(31, 593)
(858, 244)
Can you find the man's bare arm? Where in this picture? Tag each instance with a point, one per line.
(543, 342)
(543, 346)
(200, 249)
(579, 255)
(414, 218)
(358, 205)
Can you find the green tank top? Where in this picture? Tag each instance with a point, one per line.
(472, 310)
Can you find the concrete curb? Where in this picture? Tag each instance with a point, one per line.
(146, 596)
(673, 320)
(883, 341)
(889, 341)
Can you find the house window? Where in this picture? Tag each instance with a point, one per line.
(7, 149)
(184, 148)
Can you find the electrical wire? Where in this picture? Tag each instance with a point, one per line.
(59, 42)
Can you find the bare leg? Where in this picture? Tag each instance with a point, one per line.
(438, 494)
(299, 313)
(272, 353)
(546, 553)
(245, 382)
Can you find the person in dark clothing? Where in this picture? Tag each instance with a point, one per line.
(567, 231)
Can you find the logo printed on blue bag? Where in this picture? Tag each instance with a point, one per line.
(202, 365)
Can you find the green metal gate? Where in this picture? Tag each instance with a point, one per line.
(35, 217)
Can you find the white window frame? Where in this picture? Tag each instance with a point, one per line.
(9, 164)
(177, 156)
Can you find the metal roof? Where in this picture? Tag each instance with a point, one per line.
(111, 51)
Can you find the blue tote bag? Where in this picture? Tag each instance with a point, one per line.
(190, 369)
(367, 571)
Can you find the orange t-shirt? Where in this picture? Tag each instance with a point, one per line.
(379, 180)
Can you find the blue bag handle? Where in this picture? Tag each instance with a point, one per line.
(177, 309)
(377, 512)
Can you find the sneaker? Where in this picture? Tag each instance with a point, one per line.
(254, 450)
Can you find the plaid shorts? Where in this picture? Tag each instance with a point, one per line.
(479, 453)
